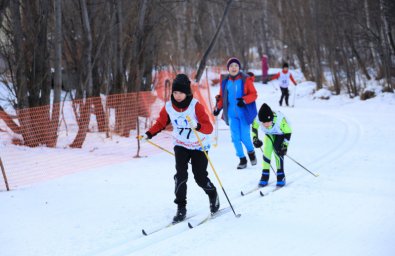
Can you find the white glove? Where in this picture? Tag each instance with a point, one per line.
(193, 124)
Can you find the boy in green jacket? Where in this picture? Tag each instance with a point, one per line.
(277, 136)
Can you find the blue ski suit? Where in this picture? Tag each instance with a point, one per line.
(239, 118)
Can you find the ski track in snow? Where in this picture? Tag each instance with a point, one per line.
(350, 135)
(349, 138)
(327, 215)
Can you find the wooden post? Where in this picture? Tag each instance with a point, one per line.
(4, 175)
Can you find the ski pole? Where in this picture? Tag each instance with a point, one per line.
(271, 167)
(315, 175)
(155, 145)
(216, 132)
(216, 123)
(293, 103)
(212, 166)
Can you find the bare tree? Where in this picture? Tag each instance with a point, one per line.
(111, 47)
(202, 63)
(57, 76)
(87, 84)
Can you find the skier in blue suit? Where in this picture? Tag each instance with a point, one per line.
(237, 99)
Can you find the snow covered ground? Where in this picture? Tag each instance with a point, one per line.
(348, 210)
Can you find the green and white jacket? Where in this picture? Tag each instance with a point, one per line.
(280, 126)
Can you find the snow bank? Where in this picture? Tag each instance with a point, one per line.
(323, 94)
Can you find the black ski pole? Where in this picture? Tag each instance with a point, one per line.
(315, 175)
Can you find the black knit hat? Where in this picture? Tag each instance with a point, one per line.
(232, 60)
(265, 113)
(285, 65)
(182, 84)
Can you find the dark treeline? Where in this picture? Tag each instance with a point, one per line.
(112, 46)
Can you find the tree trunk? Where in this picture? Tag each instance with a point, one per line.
(358, 57)
(119, 79)
(83, 122)
(135, 73)
(229, 35)
(88, 82)
(20, 76)
(317, 29)
(385, 39)
(85, 107)
(203, 61)
(9, 122)
(371, 45)
(134, 80)
(118, 49)
(58, 76)
(96, 100)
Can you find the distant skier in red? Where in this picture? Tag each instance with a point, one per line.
(284, 76)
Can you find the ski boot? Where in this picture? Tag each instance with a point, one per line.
(180, 215)
(280, 179)
(264, 178)
(214, 203)
(243, 163)
(252, 157)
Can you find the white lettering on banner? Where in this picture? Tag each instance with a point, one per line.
(182, 132)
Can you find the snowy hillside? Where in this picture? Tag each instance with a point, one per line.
(348, 210)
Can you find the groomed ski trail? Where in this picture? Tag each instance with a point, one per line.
(350, 134)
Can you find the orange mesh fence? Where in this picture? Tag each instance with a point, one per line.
(90, 133)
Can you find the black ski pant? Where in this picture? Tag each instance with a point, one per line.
(199, 169)
(284, 94)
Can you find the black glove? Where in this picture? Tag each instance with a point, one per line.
(240, 102)
(149, 135)
(277, 143)
(284, 148)
(216, 112)
(257, 142)
(217, 98)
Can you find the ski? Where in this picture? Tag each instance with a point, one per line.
(200, 222)
(249, 191)
(253, 189)
(273, 190)
(145, 233)
(270, 191)
(210, 216)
